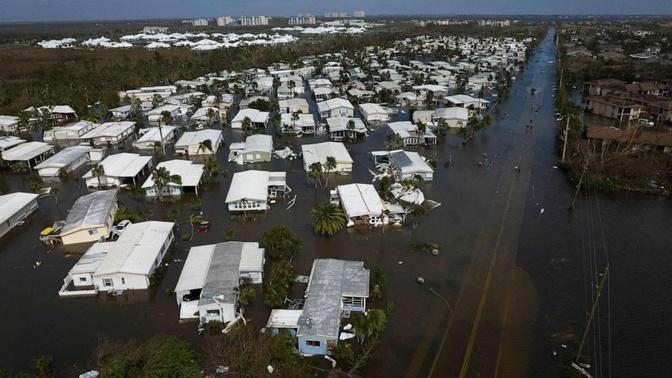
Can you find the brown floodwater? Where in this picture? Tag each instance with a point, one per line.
(490, 224)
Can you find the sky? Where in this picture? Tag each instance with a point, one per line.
(65, 10)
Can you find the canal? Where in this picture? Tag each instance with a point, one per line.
(510, 287)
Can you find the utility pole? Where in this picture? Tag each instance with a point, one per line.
(564, 145)
(592, 312)
(578, 186)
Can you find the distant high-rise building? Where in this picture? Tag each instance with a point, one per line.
(343, 14)
(225, 20)
(253, 20)
(302, 20)
(200, 22)
(155, 29)
(359, 14)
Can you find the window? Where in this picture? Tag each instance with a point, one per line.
(107, 282)
(93, 232)
(313, 343)
(212, 312)
(123, 281)
(349, 302)
(82, 279)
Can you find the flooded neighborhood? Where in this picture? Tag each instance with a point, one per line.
(430, 201)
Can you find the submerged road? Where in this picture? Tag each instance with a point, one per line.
(486, 331)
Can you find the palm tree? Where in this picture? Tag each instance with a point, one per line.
(373, 323)
(246, 125)
(192, 220)
(315, 173)
(395, 143)
(351, 128)
(24, 121)
(211, 166)
(98, 171)
(211, 115)
(166, 118)
(203, 146)
(329, 166)
(328, 218)
(162, 177)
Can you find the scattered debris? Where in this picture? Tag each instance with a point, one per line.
(222, 370)
(270, 369)
(333, 362)
(541, 211)
(400, 262)
(432, 248)
(420, 280)
(285, 153)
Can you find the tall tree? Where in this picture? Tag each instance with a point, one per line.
(280, 242)
(329, 166)
(162, 178)
(315, 173)
(328, 218)
(98, 172)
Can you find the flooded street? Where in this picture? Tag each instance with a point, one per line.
(513, 269)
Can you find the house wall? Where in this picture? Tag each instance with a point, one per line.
(248, 206)
(121, 281)
(105, 182)
(82, 279)
(225, 312)
(19, 216)
(322, 349)
(256, 156)
(85, 235)
(255, 277)
(53, 171)
(168, 190)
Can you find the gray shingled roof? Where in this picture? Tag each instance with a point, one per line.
(90, 210)
(223, 275)
(331, 279)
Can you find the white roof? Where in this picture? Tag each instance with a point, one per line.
(318, 153)
(252, 185)
(254, 115)
(452, 113)
(219, 259)
(60, 109)
(137, 248)
(341, 123)
(6, 120)
(90, 210)
(305, 120)
(259, 142)
(124, 164)
(26, 151)
(372, 108)
(189, 172)
(153, 134)
(251, 258)
(403, 128)
(463, 99)
(292, 103)
(11, 203)
(109, 129)
(360, 199)
(164, 108)
(334, 103)
(195, 268)
(193, 138)
(7, 142)
(280, 318)
(64, 157)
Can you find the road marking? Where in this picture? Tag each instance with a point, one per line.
(486, 289)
